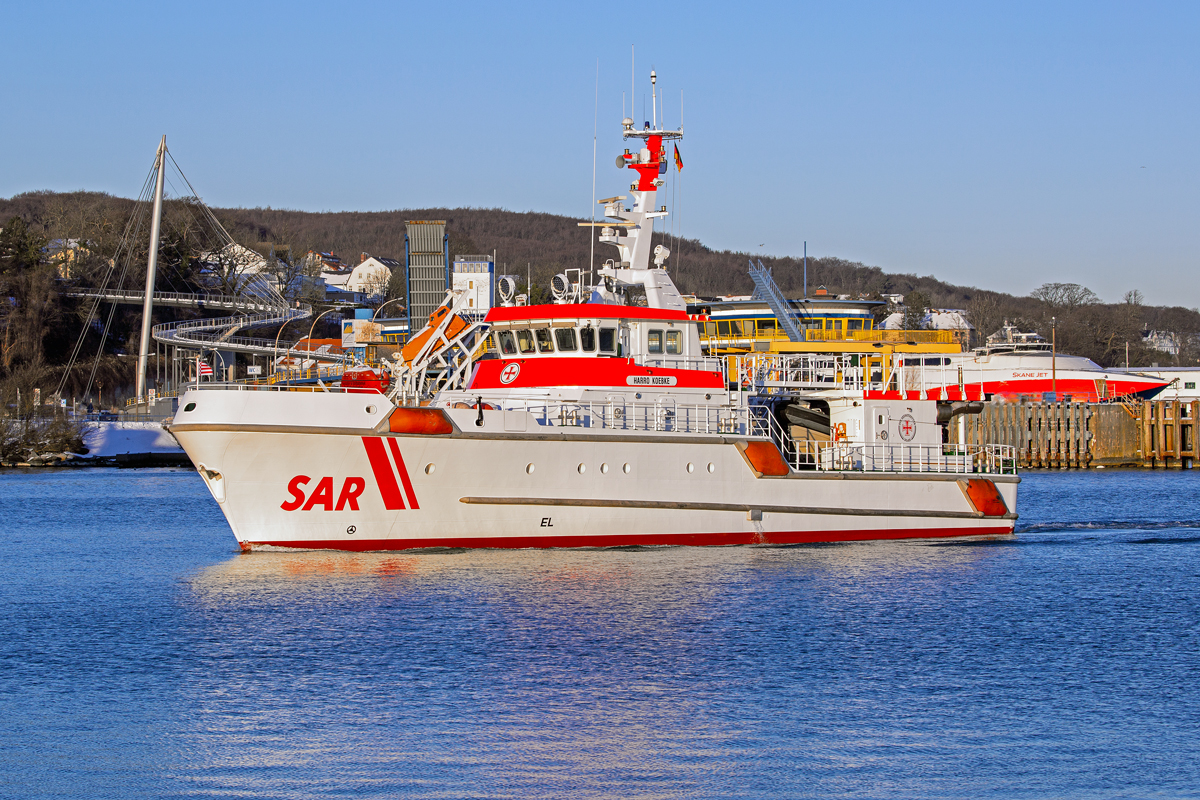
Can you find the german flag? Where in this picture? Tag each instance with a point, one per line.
(678, 160)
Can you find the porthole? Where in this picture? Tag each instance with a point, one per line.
(711, 468)
(529, 469)
(429, 468)
(604, 469)
(582, 468)
(691, 467)
(625, 468)
(190, 407)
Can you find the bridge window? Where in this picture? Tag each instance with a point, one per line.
(729, 327)
(854, 324)
(544, 344)
(565, 339)
(767, 327)
(654, 342)
(674, 343)
(608, 340)
(525, 341)
(508, 344)
(587, 339)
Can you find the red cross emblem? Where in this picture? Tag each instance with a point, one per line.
(908, 428)
(510, 373)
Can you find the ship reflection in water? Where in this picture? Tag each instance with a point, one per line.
(140, 658)
(645, 672)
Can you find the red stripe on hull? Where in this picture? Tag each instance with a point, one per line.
(1081, 391)
(618, 540)
(385, 479)
(400, 468)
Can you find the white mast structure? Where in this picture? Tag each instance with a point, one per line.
(637, 221)
(151, 269)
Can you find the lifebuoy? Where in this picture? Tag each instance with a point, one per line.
(839, 432)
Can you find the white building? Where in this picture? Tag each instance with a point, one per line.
(934, 319)
(237, 267)
(368, 281)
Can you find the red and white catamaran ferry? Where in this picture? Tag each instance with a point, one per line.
(1014, 365)
(596, 423)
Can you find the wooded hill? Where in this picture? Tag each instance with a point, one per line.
(40, 326)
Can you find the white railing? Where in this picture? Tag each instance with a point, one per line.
(903, 372)
(279, 383)
(659, 416)
(217, 334)
(680, 362)
(183, 299)
(994, 459)
(802, 371)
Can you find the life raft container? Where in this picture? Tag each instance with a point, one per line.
(366, 379)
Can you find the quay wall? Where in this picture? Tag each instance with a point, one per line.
(1066, 435)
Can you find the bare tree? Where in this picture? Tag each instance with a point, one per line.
(986, 313)
(1064, 295)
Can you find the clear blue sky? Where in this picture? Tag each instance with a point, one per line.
(1001, 145)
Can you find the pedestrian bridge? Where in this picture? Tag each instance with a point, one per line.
(217, 333)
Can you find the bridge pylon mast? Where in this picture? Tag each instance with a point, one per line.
(151, 269)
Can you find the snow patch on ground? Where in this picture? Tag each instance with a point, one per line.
(106, 439)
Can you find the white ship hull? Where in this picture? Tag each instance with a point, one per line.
(305, 485)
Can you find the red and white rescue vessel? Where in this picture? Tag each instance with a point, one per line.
(595, 423)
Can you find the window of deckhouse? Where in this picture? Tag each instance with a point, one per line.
(587, 339)
(674, 343)
(545, 345)
(525, 341)
(565, 339)
(654, 342)
(608, 340)
(507, 342)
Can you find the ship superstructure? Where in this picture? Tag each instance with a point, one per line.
(594, 421)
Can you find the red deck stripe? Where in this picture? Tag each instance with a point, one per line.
(385, 479)
(408, 490)
(618, 540)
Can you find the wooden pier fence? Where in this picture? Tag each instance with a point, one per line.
(1167, 433)
(1068, 435)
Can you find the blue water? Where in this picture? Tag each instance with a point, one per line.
(142, 656)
